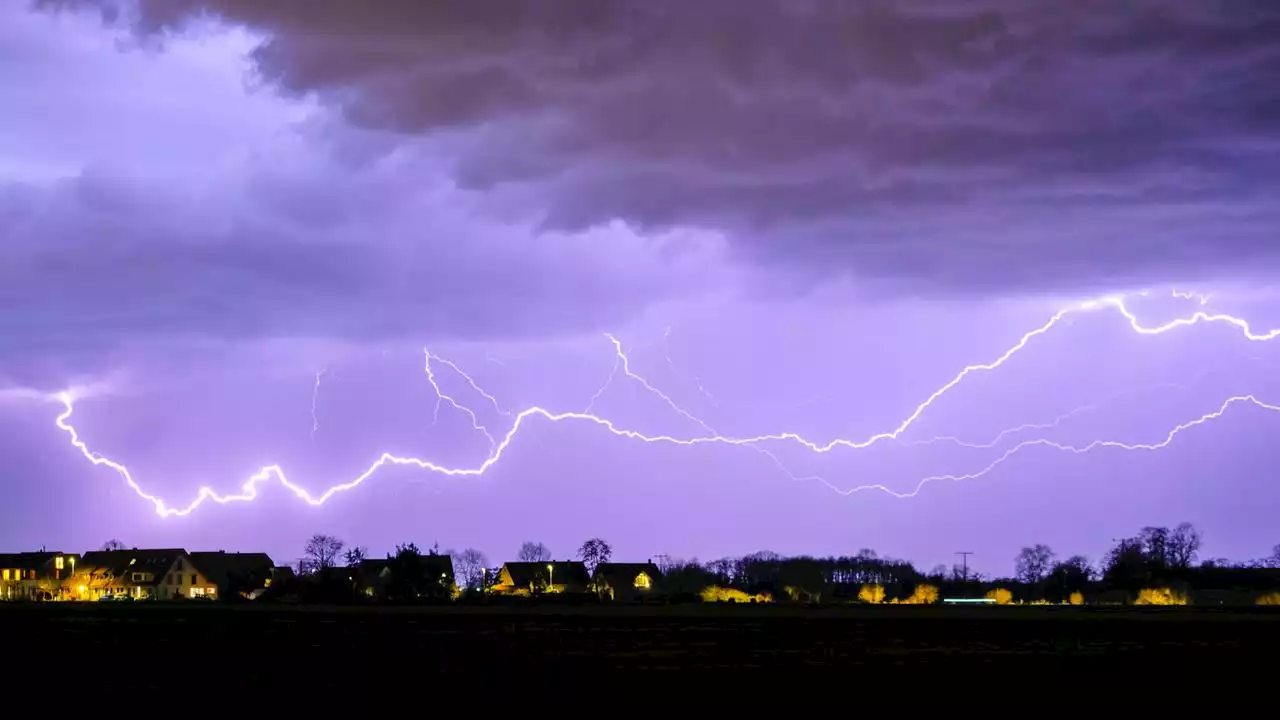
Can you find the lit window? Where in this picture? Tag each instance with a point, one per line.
(57, 562)
(6, 574)
(643, 582)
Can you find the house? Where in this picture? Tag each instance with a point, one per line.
(373, 577)
(36, 575)
(524, 578)
(627, 581)
(141, 574)
(233, 574)
(408, 577)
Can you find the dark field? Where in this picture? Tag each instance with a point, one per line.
(155, 645)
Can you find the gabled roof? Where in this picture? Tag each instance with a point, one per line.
(222, 567)
(28, 560)
(566, 572)
(123, 563)
(625, 573)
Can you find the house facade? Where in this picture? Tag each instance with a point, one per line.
(223, 574)
(627, 582)
(141, 574)
(38, 575)
(533, 578)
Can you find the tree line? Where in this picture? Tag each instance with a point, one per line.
(1161, 558)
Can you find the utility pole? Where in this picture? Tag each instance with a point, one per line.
(965, 555)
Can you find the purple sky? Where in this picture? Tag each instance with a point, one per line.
(806, 217)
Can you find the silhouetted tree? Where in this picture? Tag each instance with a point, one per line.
(469, 568)
(1133, 563)
(320, 553)
(1182, 546)
(1154, 542)
(1034, 563)
(1069, 576)
(1274, 560)
(355, 556)
(593, 552)
(682, 578)
(533, 552)
(411, 578)
(113, 544)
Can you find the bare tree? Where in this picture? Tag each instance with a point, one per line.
(534, 552)
(1155, 545)
(1183, 545)
(321, 552)
(355, 555)
(113, 544)
(1034, 563)
(469, 568)
(593, 552)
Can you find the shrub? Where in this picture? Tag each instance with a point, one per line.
(1001, 596)
(1077, 598)
(924, 595)
(871, 594)
(715, 593)
(1160, 596)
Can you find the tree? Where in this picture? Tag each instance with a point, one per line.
(1274, 560)
(1068, 577)
(593, 552)
(113, 544)
(320, 553)
(355, 556)
(1125, 565)
(469, 568)
(534, 552)
(1034, 563)
(414, 578)
(1183, 546)
(1155, 546)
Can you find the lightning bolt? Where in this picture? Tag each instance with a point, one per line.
(1204, 299)
(442, 396)
(1060, 419)
(1078, 450)
(315, 399)
(697, 381)
(249, 489)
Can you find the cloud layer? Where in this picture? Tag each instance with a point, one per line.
(1002, 146)
(150, 195)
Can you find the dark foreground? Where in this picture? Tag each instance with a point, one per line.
(242, 646)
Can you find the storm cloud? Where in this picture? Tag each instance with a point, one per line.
(994, 147)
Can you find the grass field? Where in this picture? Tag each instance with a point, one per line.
(154, 645)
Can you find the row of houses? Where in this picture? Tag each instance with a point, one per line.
(168, 574)
(136, 574)
(615, 581)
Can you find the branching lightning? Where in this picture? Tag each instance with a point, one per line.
(315, 399)
(499, 445)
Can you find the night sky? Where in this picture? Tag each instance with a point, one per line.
(229, 228)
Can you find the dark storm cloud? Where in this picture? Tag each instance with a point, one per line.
(959, 145)
(98, 260)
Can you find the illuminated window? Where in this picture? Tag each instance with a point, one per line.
(57, 562)
(643, 582)
(6, 574)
